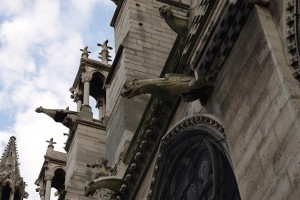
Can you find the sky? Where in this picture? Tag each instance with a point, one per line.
(39, 59)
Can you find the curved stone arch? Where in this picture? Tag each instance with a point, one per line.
(6, 188)
(51, 171)
(58, 180)
(204, 137)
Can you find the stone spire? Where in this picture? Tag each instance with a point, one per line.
(11, 182)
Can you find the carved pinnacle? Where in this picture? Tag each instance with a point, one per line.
(85, 52)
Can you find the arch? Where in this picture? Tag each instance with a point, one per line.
(5, 191)
(58, 182)
(193, 163)
(97, 85)
(18, 194)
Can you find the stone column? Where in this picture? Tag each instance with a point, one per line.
(11, 195)
(78, 101)
(99, 105)
(42, 194)
(103, 108)
(86, 87)
(86, 110)
(48, 187)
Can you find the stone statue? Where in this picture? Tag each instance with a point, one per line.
(103, 169)
(169, 86)
(260, 2)
(176, 23)
(109, 182)
(64, 116)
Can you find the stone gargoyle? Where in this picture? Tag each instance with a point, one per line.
(260, 2)
(64, 116)
(112, 183)
(176, 23)
(102, 168)
(169, 86)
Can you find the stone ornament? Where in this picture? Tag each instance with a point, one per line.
(176, 23)
(104, 54)
(291, 28)
(112, 183)
(64, 116)
(102, 168)
(167, 87)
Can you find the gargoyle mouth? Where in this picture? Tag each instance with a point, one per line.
(39, 109)
(126, 93)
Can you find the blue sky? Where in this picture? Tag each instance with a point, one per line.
(39, 58)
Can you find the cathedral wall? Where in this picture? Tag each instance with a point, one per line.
(147, 41)
(257, 99)
(255, 93)
(88, 147)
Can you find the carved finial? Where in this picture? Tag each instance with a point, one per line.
(85, 52)
(51, 143)
(104, 54)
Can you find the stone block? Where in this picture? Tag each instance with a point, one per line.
(284, 122)
(281, 189)
(293, 167)
(266, 181)
(247, 153)
(249, 182)
(267, 150)
(286, 148)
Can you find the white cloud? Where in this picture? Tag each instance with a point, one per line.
(39, 59)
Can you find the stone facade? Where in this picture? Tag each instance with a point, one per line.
(243, 130)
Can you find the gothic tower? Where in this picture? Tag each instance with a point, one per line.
(12, 186)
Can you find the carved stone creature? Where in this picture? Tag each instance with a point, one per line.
(104, 170)
(109, 182)
(169, 86)
(64, 116)
(176, 23)
(260, 2)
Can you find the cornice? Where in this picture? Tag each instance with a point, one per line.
(209, 58)
(116, 13)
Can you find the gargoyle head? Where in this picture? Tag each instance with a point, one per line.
(130, 89)
(39, 109)
(165, 11)
(89, 189)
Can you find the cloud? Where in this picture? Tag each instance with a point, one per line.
(39, 59)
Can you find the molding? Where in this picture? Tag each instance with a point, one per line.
(116, 13)
(291, 24)
(197, 122)
(211, 58)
